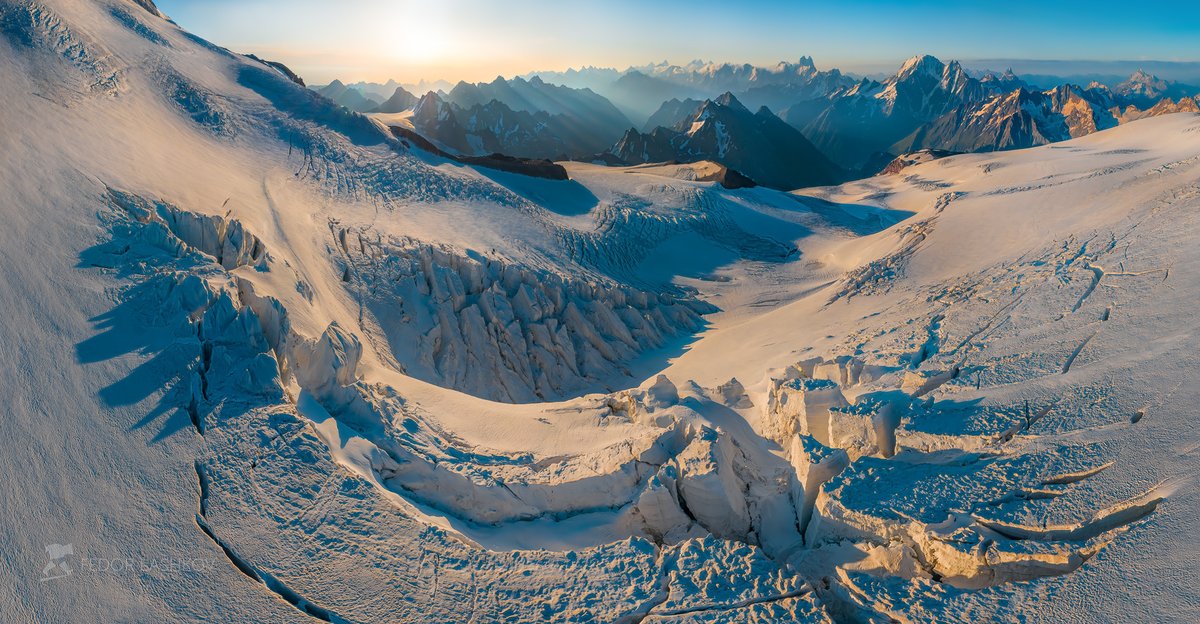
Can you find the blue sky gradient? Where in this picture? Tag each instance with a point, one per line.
(480, 39)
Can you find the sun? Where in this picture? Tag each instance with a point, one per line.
(416, 36)
(421, 45)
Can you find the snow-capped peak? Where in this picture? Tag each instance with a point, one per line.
(1142, 75)
(924, 64)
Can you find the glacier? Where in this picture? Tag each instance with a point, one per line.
(287, 367)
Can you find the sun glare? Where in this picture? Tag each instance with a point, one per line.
(415, 36)
(420, 46)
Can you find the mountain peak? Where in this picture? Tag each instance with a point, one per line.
(1144, 84)
(400, 100)
(921, 64)
(727, 99)
(431, 96)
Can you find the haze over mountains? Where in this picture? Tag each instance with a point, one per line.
(808, 125)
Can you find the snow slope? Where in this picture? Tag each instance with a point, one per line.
(287, 369)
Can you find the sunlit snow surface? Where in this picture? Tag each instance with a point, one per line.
(349, 381)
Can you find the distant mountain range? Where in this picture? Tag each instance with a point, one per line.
(526, 118)
(351, 98)
(639, 91)
(496, 128)
(786, 125)
(1046, 74)
(1025, 118)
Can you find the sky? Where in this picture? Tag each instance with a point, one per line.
(478, 40)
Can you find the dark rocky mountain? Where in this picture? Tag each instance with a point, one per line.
(658, 145)
(1025, 118)
(494, 127)
(758, 144)
(399, 101)
(671, 113)
(1018, 119)
(868, 117)
(349, 97)
(525, 118)
(593, 118)
(435, 119)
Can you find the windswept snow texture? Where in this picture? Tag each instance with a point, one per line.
(268, 363)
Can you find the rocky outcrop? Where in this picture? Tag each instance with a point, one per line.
(1165, 106)
(903, 161)
(534, 167)
(281, 68)
(150, 7)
